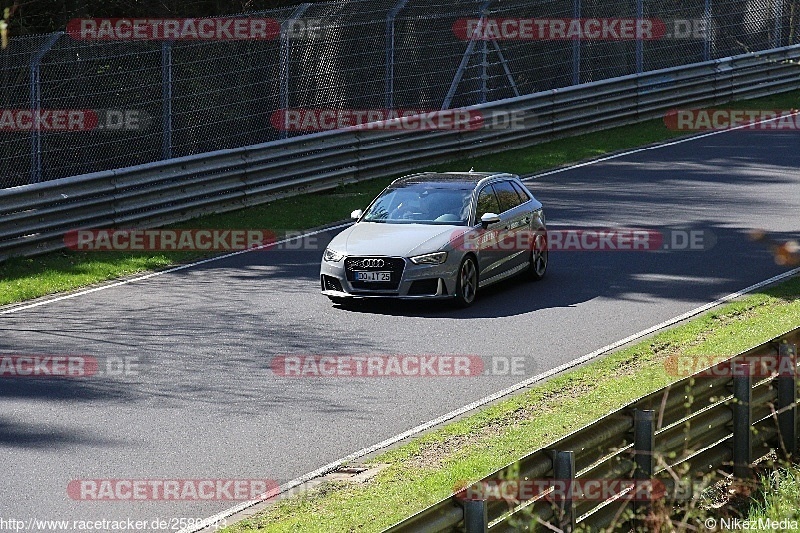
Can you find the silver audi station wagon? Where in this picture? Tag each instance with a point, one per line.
(438, 236)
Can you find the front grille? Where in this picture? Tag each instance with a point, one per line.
(331, 284)
(394, 265)
(423, 287)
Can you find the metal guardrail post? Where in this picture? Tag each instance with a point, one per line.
(284, 59)
(564, 470)
(786, 385)
(742, 420)
(35, 89)
(476, 516)
(166, 100)
(390, 49)
(644, 455)
(644, 443)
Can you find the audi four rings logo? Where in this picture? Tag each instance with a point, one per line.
(369, 263)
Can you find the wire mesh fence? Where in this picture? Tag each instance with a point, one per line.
(81, 101)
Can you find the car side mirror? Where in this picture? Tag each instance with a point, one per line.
(488, 219)
(356, 214)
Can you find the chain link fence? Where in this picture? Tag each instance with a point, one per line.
(73, 105)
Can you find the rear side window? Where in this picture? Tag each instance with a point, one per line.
(523, 193)
(507, 195)
(487, 203)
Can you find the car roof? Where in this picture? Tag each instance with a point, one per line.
(448, 178)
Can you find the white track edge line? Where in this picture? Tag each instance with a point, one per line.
(483, 401)
(22, 307)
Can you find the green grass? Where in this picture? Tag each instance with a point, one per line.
(779, 499)
(26, 278)
(426, 469)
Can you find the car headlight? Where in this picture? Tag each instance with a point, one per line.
(332, 256)
(430, 259)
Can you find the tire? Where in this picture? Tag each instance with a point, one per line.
(466, 282)
(537, 263)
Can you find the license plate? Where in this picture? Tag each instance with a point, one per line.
(373, 276)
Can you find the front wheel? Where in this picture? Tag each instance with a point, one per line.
(466, 282)
(538, 258)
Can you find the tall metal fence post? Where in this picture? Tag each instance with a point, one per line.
(786, 385)
(708, 31)
(639, 40)
(476, 516)
(643, 458)
(35, 90)
(576, 46)
(484, 67)
(564, 470)
(166, 100)
(485, 61)
(742, 420)
(285, 59)
(390, 52)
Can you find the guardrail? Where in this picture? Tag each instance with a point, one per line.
(704, 424)
(34, 218)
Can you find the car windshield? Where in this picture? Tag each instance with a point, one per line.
(421, 203)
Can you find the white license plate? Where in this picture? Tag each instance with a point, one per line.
(373, 276)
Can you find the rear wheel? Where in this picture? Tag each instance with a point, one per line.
(538, 259)
(466, 282)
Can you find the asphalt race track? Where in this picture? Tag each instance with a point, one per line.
(203, 402)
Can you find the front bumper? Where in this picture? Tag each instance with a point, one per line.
(429, 282)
